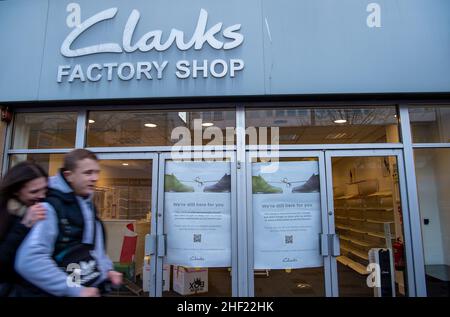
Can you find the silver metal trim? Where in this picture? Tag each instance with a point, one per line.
(161, 149)
(128, 156)
(80, 135)
(39, 151)
(413, 203)
(431, 145)
(234, 232)
(243, 286)
(159, 219)
(313, 147)
(249, 226)
(408, 237)
(328, 260)
(331, 224)
(154, 216)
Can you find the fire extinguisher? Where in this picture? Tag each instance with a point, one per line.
(399, 261)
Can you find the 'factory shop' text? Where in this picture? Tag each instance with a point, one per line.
(217, 68)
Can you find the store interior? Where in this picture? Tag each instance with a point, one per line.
(368, 212)
(367, 215)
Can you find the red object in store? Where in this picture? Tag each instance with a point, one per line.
(129, 245)
(399, 249)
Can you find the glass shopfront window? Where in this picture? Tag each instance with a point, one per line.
(152, 128)
(430, 124)
(44, 130)
(123, 197)
(433, 182)
(325, 125)
(369, 220)
(51, 163)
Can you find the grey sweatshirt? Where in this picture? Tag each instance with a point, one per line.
(34, 257)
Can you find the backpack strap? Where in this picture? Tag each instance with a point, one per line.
(69, 234)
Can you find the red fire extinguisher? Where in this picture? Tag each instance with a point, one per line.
(399, 261)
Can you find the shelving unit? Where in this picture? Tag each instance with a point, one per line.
(364, 220)
(358, 267)
(121, 202)
(379, 221)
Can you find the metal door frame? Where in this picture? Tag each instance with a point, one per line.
(323, 201)
(154, 157)
(411, 289)
(160, 234)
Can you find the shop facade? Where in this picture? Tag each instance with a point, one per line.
(247, 148)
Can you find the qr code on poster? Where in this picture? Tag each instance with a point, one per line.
(197, 238)
(289, 239)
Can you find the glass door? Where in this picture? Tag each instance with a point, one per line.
(290, 247)
(125, 197)
(368, 211)
(196, 226)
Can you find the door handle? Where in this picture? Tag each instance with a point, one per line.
(335, 245)
(324, 247)
(330, 245)
(150, 244)
(161, 243)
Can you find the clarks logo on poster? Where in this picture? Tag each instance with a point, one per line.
(150, 41)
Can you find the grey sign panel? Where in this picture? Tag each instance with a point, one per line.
(216, 64)
(104, 49)
(328, 46)
(22, 35)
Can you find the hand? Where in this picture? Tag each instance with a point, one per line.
(115, 278)
(89, 292)
(34, 214)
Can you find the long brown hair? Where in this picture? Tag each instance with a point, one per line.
(14, 180)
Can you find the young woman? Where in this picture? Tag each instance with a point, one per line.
(21, 191)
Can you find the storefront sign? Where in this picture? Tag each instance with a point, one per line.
(150, 41)
(197, 213)
(286, 216)
(140, 49)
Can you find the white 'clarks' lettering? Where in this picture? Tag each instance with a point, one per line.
(94, 49)
(153, 40)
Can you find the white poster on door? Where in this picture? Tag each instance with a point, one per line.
(286, 216)
(197, 213)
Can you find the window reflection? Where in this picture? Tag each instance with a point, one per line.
(433, 181)
(430, 124)
(151, 128)
(327, 125)
(51, 163)
(44, 130)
